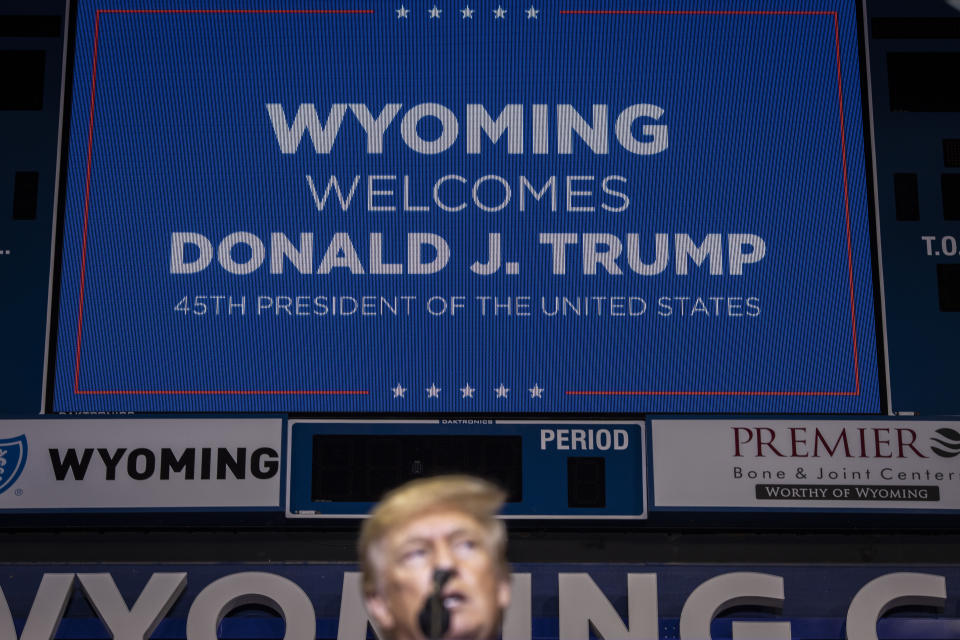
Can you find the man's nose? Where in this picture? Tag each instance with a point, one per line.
(443, 558)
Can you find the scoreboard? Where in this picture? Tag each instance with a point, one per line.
(569, 208)
(422, 237)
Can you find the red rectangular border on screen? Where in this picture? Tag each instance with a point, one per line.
(86, 215)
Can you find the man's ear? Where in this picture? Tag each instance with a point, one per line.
(503, 593)
(379, 612)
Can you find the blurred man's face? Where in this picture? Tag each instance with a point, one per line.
(475, 595)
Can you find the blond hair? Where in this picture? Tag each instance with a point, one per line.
(464, 494)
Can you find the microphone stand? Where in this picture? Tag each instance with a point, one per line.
(434, 618)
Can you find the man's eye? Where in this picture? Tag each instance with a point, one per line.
(415, 554)
(467, 544)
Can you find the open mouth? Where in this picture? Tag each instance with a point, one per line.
(453, 600)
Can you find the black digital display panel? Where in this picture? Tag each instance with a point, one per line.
(361, 468)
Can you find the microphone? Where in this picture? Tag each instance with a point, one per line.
(434, 618)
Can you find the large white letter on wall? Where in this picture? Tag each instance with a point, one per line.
(138, 623)
(582, 603)
(734, 590)
(252, 587)
(882, 594)
(45, 614)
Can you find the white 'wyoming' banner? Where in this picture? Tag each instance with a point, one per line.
(140, 463)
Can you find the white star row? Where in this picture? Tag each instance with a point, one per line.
(466, 391)
(467, 13)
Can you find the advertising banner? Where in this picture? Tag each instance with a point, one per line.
(602, 206)
(811, 464)
(160, 463)
(549, 601)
